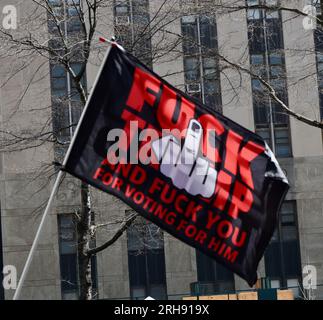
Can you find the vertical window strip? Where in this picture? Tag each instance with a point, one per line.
(146, 260)
(282, 256)
(68, 256)
(267, 61)
(201, 67)
(212, 277)
(132, 29)
(66, 102)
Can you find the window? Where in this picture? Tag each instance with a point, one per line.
(65, 16)
(122, 8)
(77, 68)
(132, 27)
(200, 62)
(59, 81)
(68, 258)
(67, 106)
(268, 61)
(66, 102)
(60, 78)
(146, 260)
(282, 256)
(212, 277)
(254, 13)
(74, 22)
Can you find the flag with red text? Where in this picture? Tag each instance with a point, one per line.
(195, 173)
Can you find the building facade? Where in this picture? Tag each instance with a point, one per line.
(184, 42)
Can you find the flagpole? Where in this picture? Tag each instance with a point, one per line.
(57, 182)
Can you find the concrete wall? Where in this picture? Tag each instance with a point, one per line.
(302, 84)
(235, 85)
(24, 183)
(306, 179)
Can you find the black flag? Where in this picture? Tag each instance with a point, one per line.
(195, 173)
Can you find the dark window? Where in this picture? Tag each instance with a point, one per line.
(282, 256)
(65, 15)
(146, 260)
(73, 17)
(75, 95)
(132, 28)
(65, 20)
(68, 258)
(201, 70)
(212, 276)
(67, 106)
(268, 62)
(59, 81)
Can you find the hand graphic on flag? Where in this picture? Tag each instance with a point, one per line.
(184, 166)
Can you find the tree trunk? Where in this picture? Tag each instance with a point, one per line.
(83, 241)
